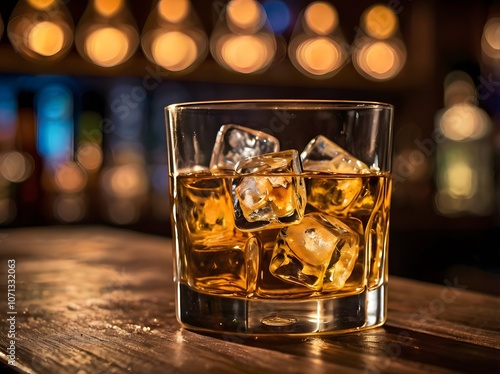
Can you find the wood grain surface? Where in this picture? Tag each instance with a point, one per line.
(100, 300)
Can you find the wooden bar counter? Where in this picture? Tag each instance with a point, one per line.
(94, 299)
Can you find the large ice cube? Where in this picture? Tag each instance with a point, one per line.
(322, 154)
(205, 208)
(269, 192)
(235, 143)
(332, 195)
(319, 253)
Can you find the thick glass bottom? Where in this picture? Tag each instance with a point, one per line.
(261, 317)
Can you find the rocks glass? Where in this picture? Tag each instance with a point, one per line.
(280, 215)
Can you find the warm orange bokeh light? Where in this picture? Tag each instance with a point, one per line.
(108, 8)
(379, 60)
(245, 53)
(464, 122)
(492, 33)
(46, 38)
(321, 18)
(70, 177)
(245, 14)
(174, 11)
(16, 166)
(107, 46)
(490, 41)
(42, 4)
(89, 155)
(69, 208)
(380, 22)
(174, 50)
(319, 55)
(125, 181)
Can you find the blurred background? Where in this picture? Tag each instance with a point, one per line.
(83, 85)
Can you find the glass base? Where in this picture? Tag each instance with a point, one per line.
(271, 317)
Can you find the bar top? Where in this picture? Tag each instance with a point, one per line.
(95, 299)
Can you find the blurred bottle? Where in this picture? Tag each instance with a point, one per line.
(89, 150)
(107, 34)
(8, 125)
(26, 164)
(464, 153)
(124, 181)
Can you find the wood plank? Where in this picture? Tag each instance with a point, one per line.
(101, 300)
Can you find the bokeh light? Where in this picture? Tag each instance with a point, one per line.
(125, 181)
(16, 166)
(107, 33)
(379, 60)
(69, 208)
(464, 161)
(8, 113)
(319, 55)
(458, 89)
(247, 15)
(490, 40)
(70, 177)
(278, 14)
(246, 53)
(174, 50)
(463, 122)
(243, 41)
(42, 4)
(41, 30)
(317, 47)
(174, 11)
(107, 46)
(89, 155)
(173, 37)
(108, 8)
(321, 18)
(55, 128)
(46, 38)
(380, 21)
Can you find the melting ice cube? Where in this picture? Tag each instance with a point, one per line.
(205, 208)
(332, 195)
(270, 191)
(235, 143)
(319, 253)
(321, 154)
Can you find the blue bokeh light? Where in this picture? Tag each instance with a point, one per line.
(278, 14)
(8, 112)
(54, 105)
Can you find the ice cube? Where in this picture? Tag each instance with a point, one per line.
(205, 207)
(319, 253)
(269, 192)
(322, 154)
(235, 143)
(334, 195)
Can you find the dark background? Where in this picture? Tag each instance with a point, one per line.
(440, 36)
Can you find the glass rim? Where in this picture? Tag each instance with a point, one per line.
(263, 104)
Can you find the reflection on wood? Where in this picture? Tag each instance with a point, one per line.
(97, 299)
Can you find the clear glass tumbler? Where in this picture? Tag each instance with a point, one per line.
(280, 215)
